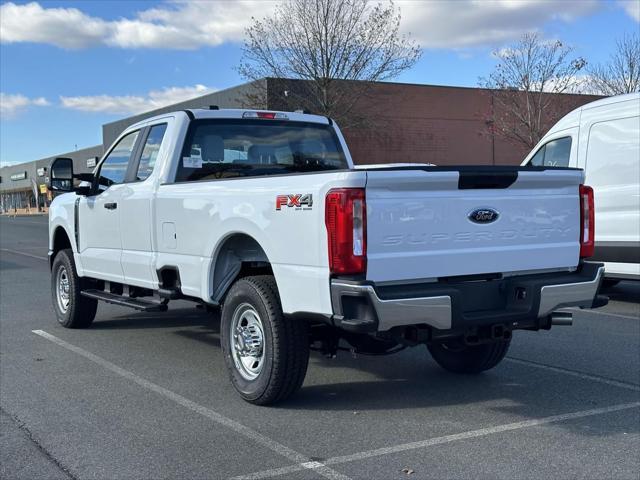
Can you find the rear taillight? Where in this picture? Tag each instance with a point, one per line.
(587, 222)
(346, 218)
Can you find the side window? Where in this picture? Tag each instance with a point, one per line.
(150, 151)
(558, 152)
(555, 153)
(538, 159)
(114, 168)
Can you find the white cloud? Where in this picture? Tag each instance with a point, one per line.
(178, 25)
(574, 84)
(190, 24)
(471, 23)
(63, 27)
(632, 7)
(13, 104)
(131, 104)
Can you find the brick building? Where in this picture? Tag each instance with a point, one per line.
(413, 123)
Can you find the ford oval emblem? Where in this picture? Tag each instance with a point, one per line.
(483, 215)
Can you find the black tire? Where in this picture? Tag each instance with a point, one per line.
(460, 358)
(285, 342)
(80, 311)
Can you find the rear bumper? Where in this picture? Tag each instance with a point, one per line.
(455, 306)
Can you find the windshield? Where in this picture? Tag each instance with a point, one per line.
(217, 149)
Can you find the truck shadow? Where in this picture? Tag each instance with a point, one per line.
(188, 322)
(412, 382)
(412, 385)
(625, 291)
(140, 321)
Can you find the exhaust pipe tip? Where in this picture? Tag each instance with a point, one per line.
(562, 318)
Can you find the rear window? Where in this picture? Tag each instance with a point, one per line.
(217, 149)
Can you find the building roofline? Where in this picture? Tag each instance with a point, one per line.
(484, 88)
(161, 110)
(72, 152)
(432, 85)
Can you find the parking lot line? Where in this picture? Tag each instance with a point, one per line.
(302, 461)
(444, 439)
(573, 373)
(23, 253)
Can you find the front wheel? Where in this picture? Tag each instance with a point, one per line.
(265, 352)
(457, 357)
(72, 309)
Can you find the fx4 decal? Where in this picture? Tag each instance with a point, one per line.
(296, 200)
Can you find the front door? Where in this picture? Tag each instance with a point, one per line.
(100, 244)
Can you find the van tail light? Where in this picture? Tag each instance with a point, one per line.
(587, 222)
(346, 221)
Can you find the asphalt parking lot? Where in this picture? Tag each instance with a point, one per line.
(143, 395)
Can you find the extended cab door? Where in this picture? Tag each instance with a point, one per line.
(99, 242)
(135, 208)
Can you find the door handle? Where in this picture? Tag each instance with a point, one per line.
(111, 205)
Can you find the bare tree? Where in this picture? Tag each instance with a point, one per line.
(523, 84)
(621, 74)
(328, 44)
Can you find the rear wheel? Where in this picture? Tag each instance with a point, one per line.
(457, 357)
(265, 352)
(72, 309)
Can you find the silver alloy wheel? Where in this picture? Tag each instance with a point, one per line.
(62, 289)
(246, 340)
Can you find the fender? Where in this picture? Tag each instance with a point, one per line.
(63, 215)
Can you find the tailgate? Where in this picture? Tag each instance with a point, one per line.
(431, 222)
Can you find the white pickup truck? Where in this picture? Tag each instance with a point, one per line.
(263, 214)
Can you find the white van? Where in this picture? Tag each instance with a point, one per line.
(603, 138)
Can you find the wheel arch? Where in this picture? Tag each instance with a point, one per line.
(60, 239)
(237, 254)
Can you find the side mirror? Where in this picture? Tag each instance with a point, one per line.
(61, 175)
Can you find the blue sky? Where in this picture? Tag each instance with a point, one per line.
(66, 68)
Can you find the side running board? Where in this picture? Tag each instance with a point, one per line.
(124, 301)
